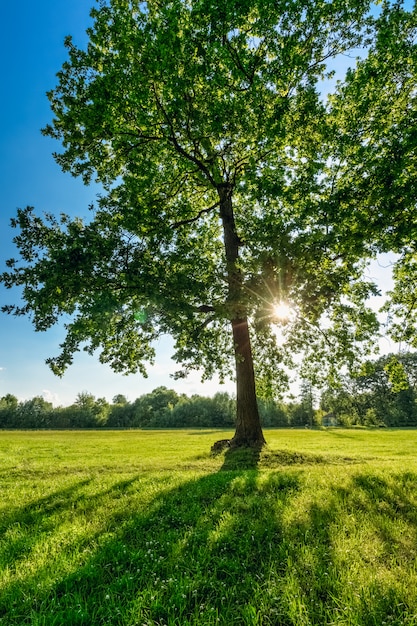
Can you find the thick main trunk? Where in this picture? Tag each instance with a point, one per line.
(248, 424)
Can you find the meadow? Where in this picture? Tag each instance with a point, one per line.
(135, 528)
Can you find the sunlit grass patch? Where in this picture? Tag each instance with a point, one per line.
(147, 528)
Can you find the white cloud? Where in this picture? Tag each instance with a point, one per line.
(48, 396)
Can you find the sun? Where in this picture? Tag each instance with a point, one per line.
(282, 311)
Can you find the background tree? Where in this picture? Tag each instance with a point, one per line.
(86, 412)
(375, 397)
(273, 413)
(120, 399)
(121, 413)
(8, 407)
(153, 409)
(33, 413)
(305, 413)
(205, 125)
(216, 412)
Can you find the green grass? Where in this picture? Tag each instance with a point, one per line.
(146, 528)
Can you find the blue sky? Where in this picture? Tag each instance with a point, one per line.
(31, 52)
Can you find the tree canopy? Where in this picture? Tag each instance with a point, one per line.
(230, 185)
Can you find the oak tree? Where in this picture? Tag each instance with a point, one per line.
(206, 125)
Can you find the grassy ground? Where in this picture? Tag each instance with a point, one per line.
(145, 528)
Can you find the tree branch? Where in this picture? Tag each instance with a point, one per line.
(197, 217)
(196, 332)
(173, 139)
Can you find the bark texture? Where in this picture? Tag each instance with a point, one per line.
(248, 424)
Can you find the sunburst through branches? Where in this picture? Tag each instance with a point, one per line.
(282, 311)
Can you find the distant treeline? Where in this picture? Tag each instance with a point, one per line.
(163, 408)
(384, 394)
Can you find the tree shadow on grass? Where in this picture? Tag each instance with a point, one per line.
(21, 526)
(233, 547)
(241, 459)
(264, 458)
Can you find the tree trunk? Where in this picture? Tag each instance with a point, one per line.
(248, 423)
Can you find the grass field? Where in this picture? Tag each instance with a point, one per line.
(142, 528)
